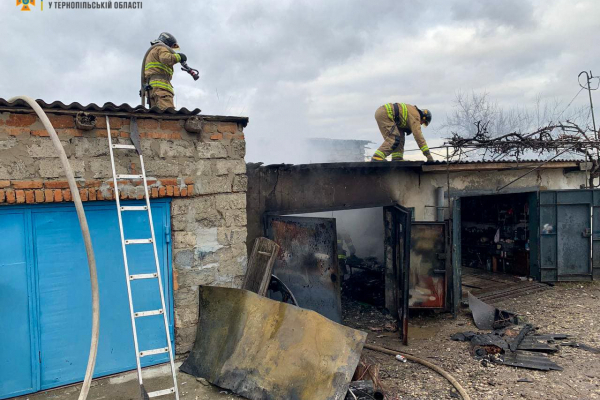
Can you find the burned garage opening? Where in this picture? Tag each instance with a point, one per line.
(359, 245)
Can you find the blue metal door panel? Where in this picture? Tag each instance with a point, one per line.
(567, 232)
(64, 290)
(18, 361)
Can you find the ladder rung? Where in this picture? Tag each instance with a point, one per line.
(125, 176)
(143, 276)
(147, 313)
(161, 392)
(134, 208)
(155, 351)
(264, 253)
(123, 146)
(138, 241)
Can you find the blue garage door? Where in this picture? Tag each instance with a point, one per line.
(45, 293)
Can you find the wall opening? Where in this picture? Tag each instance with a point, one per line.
(496, 241)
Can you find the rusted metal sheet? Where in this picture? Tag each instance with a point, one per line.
(428, 263)
(265, 350)
(307, 262)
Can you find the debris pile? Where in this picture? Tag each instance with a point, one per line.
(511, 342)
(364, 281)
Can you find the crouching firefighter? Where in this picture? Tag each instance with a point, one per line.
(157, 72)
(395, 120)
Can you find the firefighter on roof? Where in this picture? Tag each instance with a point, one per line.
(158, 70)
(395, 120)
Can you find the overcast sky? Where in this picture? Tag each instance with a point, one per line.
(301, 69)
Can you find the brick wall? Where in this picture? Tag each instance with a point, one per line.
(205, 174)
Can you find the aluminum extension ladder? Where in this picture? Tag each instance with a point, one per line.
(155, 275)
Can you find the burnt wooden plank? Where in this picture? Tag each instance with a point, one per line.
(260, 266)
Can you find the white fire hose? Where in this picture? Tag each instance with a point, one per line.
(86, 239)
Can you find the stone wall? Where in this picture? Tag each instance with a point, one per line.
(204, 173)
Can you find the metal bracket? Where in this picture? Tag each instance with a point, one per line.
(134, 135)
(587, 232)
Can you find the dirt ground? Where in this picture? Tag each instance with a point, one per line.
(567, 308)
(570, 308)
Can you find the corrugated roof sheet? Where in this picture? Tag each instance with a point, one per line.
(109, 108)
(58, 105)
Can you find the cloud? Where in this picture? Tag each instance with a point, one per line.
(304, 69)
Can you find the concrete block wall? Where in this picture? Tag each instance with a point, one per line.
(204, 174)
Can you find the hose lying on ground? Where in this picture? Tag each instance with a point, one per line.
(429, 365)
(86, 239)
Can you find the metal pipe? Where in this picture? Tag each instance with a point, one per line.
(85, 231)
(439, 203)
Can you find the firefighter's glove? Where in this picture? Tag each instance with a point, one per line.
(428, 155)
(183, 57)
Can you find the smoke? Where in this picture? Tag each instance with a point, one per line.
(364, 226)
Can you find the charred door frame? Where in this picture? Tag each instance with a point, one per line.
(399, 269)
(400, 213)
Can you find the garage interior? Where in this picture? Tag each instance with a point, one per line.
(496, 242)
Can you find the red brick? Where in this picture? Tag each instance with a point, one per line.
(175, 136)
(2, 196)
(92, 183)
(209, 128)
(188, 181)
(176, 191)
(39, 196)
(62, 121)
(69, 132)
(29, 197)
(10, 196)
(190, 190)
(168, 181)
(234, 136)
(58, 197)
(140, 196)
(124, 134)
(92, 194)
(83, 193)
(21, 120)
(184, 191)
(122, 195)
(216, 136)
(162, 191)
(41, 133)
(49, 195)
(170, 190)
(27, 184)
(20, 195)
(104, 133)
(170, 125)
(147, 123)
(155, 135)
(151, 181)
(154, 192)
(4, 184)
(115, 123)
(230, 127)
(56, 184)
(67, 194)
(18, 131)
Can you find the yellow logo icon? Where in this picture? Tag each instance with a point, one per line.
(25, 4)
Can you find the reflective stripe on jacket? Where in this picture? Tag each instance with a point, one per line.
(158, 64)
(403, 117)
